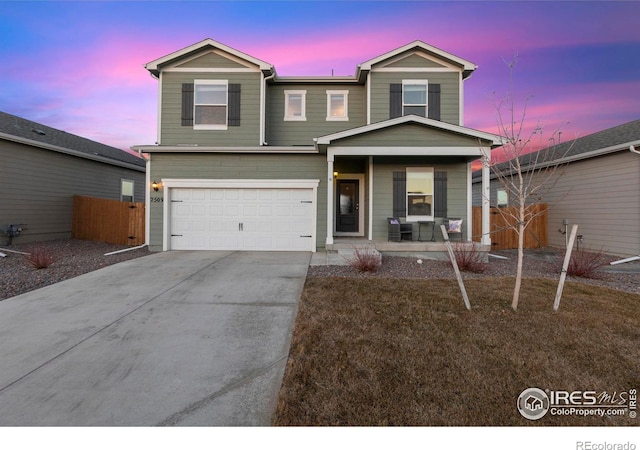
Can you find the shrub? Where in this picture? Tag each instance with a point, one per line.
(584, 263)
(40, 257)
(365, 259)
(469, 258)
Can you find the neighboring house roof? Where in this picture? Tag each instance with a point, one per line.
(611, 140)
(17, 129)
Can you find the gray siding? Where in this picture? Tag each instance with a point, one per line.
(409, 135)
(37, 188)
(450, 93)
(414, 60)
(383, 191)
(601, 195)
(237, 166)
(281, 132)
(211, 59)
(172, 131)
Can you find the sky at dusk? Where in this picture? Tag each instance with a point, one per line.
(78, 66)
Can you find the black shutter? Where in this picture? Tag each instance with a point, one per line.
(187, 104)
(434, 101)
(400, 194)
(440, 194)
(234, 105)
(395, 100)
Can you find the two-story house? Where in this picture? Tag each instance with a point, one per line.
(249, 160)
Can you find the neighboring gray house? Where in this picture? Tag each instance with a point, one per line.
(42, 168)
(249, 160)
(598, 188)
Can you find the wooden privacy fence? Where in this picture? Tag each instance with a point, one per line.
(112, 221)
(503, 236)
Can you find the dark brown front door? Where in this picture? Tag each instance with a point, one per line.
(347, 215)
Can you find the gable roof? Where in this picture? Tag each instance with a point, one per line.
(17, 129)
(611, 140)
(467, 66)
(154, 66)
(495, 140)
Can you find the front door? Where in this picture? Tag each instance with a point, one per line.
(347, 207)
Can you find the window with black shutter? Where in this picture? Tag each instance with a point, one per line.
(211, 104)
(400, 194)
(408, 97)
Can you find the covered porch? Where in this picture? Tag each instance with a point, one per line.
(368, 173)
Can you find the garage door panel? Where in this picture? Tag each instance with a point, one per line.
(241, 219)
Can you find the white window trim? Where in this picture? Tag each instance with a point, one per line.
(345, 95)
(426, 88)
(226, 118)
(303, 107)
(414, 218)
(133, 189)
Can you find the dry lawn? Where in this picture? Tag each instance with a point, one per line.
(407, 352)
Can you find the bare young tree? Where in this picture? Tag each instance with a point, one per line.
(526, 175)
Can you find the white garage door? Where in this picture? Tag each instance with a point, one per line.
(241, 219)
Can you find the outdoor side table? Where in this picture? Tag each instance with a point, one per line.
(433, 228)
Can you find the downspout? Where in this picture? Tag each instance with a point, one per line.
(633, 258)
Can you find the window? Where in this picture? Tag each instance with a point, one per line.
(294, 105)
(420, 194)
(210, 105)
(503, 198)
(337, 105)
(126, 190)
(414, 97)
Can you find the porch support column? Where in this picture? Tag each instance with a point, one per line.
(370, 231)
(486, 196)
(330, 159)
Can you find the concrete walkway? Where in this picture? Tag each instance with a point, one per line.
(175, 338)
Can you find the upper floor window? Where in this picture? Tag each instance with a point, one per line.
(420, 193)
(414, 97)
(210, 104)
(295, 105)
(337, 105)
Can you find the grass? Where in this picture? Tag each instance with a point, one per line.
(40, 257)
(469, 259)
(405, 352)
(584, 263)
(364, 260)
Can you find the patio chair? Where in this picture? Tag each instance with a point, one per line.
(453, 226)
(399, 231)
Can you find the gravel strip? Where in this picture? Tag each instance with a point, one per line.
(76, 257)
(73, 257)
(537, 264)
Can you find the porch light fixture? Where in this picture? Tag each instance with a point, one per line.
(155, 185)
(335, 174)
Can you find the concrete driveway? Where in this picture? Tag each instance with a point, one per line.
(174, 338)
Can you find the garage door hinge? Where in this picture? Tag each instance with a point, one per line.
(176, 235)
(306, 201)
(305, 235)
